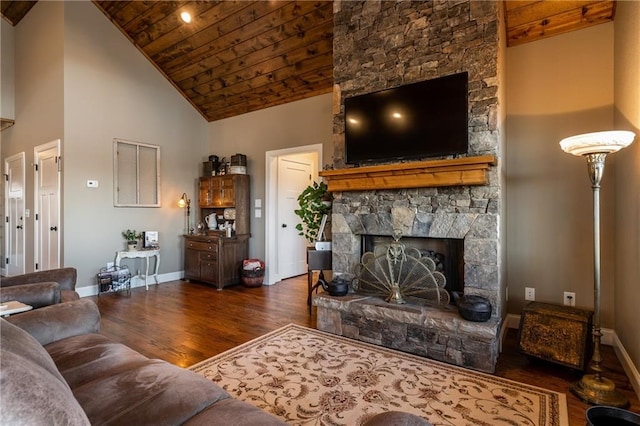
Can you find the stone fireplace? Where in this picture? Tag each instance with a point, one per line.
(378, 45)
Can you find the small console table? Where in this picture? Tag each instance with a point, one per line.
(145, 254)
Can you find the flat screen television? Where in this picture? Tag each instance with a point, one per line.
(419, 120)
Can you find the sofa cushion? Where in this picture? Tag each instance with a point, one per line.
(148, 392)
(32, 390)
(37, 295)
(57, 322)
(81, 359)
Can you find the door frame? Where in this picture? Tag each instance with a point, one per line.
(22, 158)
(37, 238)
(271, 195)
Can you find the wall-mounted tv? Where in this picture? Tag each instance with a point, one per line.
(419, 120)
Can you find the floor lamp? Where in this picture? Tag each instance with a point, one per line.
(594, 388)
(183, 202)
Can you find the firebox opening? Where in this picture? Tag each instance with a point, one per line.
(446, 252)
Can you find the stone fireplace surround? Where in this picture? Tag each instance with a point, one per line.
(384, 44)
(462, 212)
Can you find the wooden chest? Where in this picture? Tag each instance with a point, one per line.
(556, 333)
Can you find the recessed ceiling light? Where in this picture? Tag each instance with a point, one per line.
(186, 17)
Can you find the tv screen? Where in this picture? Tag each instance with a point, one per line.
(420, 120)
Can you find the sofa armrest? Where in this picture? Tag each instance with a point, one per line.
(36, 295)
(66, 277)
(56, 322)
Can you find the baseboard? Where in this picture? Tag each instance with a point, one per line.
(92, 290)
(609, 337)
(627, 364)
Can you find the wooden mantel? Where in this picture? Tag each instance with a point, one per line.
(453, 172)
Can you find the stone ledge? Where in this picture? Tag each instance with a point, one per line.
(434, 332)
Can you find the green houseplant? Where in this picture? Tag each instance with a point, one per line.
(314, 202)
(132, 238)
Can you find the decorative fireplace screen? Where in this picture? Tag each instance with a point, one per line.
(397, 273)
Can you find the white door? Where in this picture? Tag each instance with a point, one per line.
(14, 168)
(293, 177)
(47, 206)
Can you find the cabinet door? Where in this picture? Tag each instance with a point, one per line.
(227, 193)
(205, 196)
(209, 271)
(191, 264)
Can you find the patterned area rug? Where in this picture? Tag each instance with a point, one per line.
(309, 377)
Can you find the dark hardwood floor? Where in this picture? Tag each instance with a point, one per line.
(187, 322)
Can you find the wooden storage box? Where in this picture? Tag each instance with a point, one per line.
(556, 333)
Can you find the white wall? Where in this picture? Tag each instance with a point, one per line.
(300, 123)
(558, 87)
(112, 91)
(39, 102)
(79, 79)
(627, 161)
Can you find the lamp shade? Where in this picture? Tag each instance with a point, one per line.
(184, 201)
(598, 142)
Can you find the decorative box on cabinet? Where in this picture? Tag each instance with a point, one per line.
(215, 259)
(556, 333)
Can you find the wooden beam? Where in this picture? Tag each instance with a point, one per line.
(451, 172)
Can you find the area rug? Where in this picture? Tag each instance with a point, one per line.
(309, 377)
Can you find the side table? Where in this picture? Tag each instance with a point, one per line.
(317, 260)
(13, 307)
(145, 254)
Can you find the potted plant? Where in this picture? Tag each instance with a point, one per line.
(132, 238)
(315, 203)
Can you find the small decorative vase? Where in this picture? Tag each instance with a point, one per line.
(132, 245)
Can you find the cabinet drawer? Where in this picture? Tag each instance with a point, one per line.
(208, 256)
(204, 246)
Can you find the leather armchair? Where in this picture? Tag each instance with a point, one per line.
(41, 288)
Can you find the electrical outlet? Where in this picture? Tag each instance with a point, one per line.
(529, 293)
(569, 298)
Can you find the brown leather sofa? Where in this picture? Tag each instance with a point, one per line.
(56, 369)
(42, 288)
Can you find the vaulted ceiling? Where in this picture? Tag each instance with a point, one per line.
(241, 56)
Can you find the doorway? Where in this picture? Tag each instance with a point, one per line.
(14, 169)
(47, 227)
(288, 172)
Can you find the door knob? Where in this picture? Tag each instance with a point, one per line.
(284, 225)
(53, 228)
(19, 227)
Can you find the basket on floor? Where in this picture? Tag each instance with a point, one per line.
(252, 272)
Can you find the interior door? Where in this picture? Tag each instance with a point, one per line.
(14, 167)
(47, 206)
(294, 175)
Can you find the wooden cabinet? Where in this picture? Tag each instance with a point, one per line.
(215, 259)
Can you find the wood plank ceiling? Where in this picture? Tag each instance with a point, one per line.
(234, 57)
(242, 56)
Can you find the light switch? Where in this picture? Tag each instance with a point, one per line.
(258, 213)
(258, 203)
